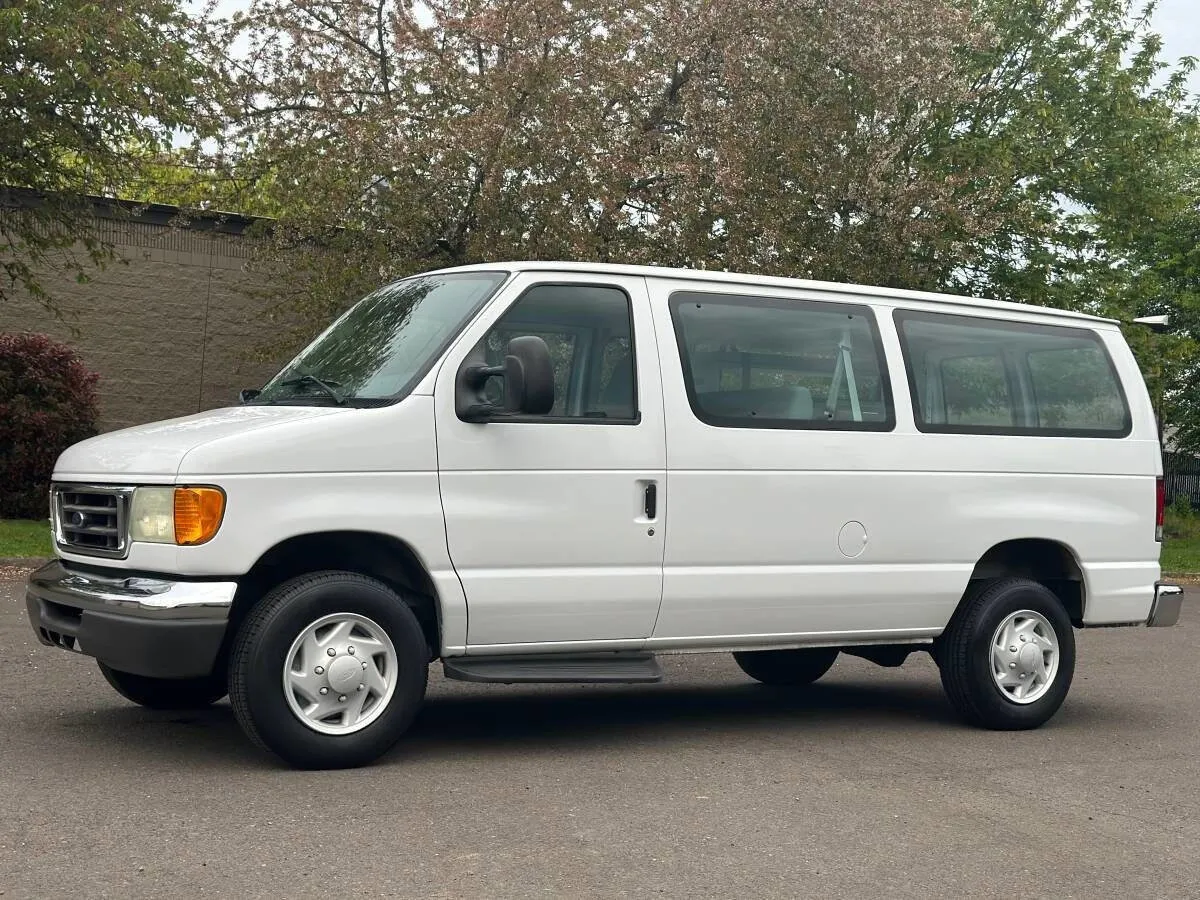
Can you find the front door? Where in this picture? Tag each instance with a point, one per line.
(555, 522)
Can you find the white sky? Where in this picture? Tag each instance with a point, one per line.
(1178, 21)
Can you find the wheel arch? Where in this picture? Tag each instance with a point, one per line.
(381, 556)
(1047, 561)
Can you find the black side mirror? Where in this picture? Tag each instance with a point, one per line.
(247, 394)
(528, 375)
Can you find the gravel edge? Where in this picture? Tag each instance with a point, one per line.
(23, 562)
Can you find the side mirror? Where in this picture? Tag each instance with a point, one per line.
(528, 375)
(247, 394)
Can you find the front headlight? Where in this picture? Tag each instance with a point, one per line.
(152, 515)
(176, 515)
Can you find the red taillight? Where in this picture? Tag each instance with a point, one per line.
(1160, 508)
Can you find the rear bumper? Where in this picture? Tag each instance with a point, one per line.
(1168, 599)
(149, 626)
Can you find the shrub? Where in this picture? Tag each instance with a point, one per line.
(1181, 507)
(47, 402)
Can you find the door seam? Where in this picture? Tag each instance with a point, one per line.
(664, 502)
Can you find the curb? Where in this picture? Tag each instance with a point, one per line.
(24, 562)
(1189, 579)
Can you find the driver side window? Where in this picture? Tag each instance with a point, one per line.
(589, 333)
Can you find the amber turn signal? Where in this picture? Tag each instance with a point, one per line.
(198, 512)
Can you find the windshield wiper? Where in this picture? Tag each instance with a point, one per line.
(329, 387)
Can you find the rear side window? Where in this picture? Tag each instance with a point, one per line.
(976, 390)
(989, 377)
(761, 362)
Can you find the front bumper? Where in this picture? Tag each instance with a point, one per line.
(149, 626)
(1168, 599)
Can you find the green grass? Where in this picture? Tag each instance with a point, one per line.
(19, 537)
(1181, 549)
(1181, 557)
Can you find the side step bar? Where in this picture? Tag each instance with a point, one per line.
(629, 668)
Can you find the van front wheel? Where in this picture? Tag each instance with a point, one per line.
(1008, 655)
(786, 667)
(328, 670)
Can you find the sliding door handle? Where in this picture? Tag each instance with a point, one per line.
(651, 505)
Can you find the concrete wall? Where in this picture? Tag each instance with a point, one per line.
(171, 330)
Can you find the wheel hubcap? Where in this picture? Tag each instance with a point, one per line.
(340, 673)
(1025, 656)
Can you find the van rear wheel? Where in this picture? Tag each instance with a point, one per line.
(328, 670)
(1008, 655)
(786, 667)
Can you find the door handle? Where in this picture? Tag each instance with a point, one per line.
(651, 501)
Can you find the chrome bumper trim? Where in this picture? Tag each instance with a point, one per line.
(151, 598)
(1168, 599)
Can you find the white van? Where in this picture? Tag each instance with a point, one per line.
(549, 472)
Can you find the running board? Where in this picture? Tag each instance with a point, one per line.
(641, 668)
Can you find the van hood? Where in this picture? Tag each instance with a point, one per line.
(156, 450)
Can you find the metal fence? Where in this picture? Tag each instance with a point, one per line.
(1181, 472)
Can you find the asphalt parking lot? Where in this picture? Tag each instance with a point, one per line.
(705, 786)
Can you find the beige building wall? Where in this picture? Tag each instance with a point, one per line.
(171, 330)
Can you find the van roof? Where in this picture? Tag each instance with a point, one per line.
(859, 290)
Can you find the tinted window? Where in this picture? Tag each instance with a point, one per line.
(590, 336)
(976, 390)
(773, 363)
(1056, 377)
(1002, 377)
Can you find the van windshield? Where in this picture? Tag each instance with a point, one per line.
(378, 350)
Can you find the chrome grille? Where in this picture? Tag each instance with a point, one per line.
(91, 519)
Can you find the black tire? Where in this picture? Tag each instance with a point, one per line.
(964, 655)
(786, 667)
(264, 639)
(165, 693)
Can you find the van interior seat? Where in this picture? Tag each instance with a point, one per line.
(802, 404)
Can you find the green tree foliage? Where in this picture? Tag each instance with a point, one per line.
(196, 181)
(88, 92)
(1163, 276)
(1075, 119)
